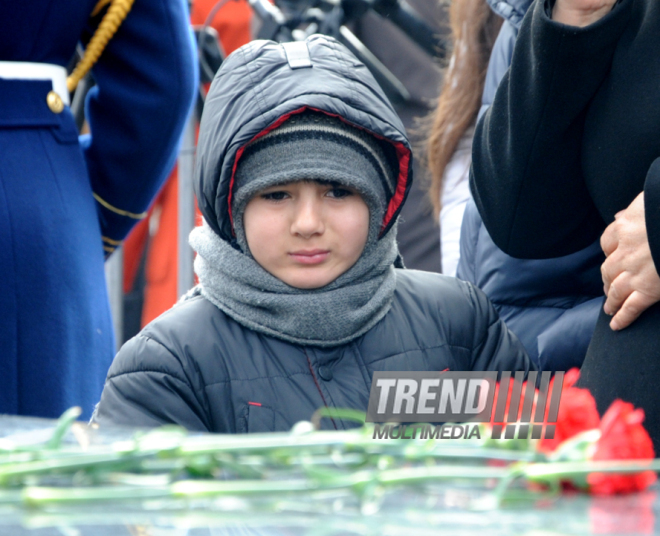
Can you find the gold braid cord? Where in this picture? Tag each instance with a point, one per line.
(99, 7)
(109, 24)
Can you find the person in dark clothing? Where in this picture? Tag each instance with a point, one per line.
(551, 304)
(302, 169)
(580, 151)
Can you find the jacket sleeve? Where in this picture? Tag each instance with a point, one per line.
(146, 79)
(494, 346)
(149, 386)
(526, 176)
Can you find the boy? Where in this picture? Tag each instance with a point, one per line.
(302, 168)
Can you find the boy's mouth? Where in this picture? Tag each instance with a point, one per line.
(309, 256)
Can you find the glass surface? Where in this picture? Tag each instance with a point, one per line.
(428, 509)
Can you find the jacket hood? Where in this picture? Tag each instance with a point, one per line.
(511, 10)
(262, 84)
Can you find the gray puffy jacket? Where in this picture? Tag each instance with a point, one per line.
(199, 368)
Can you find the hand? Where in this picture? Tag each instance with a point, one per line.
(631, 280)
(581, 12)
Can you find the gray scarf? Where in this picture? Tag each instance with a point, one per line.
(329, 316)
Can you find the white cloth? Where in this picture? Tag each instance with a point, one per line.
(455, 195)
(23, 70)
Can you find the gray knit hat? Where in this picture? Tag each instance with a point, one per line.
(317, 146)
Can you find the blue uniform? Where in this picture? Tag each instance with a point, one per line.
(63, 199)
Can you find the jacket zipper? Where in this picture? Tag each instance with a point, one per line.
(318, 387)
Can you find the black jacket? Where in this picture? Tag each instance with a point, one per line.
(196, 367)
(550, 304)
(573, 135)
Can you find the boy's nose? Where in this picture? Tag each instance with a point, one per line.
(308, 219)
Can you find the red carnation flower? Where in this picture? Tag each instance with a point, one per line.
(577, 412)
(622, 438)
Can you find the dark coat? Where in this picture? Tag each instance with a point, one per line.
(197, 367)
(572, 137)
(56, 336)
(550, 304)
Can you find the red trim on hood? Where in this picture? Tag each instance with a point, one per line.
(402, 153)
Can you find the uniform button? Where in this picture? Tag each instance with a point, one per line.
(325, 373)
(54, 102)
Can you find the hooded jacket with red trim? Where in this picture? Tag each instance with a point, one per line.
(260, 90)
(197, 367)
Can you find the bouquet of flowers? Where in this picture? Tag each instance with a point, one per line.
(600, 456)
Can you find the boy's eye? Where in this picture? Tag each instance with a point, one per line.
(339, 192)
(274, 196)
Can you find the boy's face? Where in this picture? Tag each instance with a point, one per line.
(306, 233)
